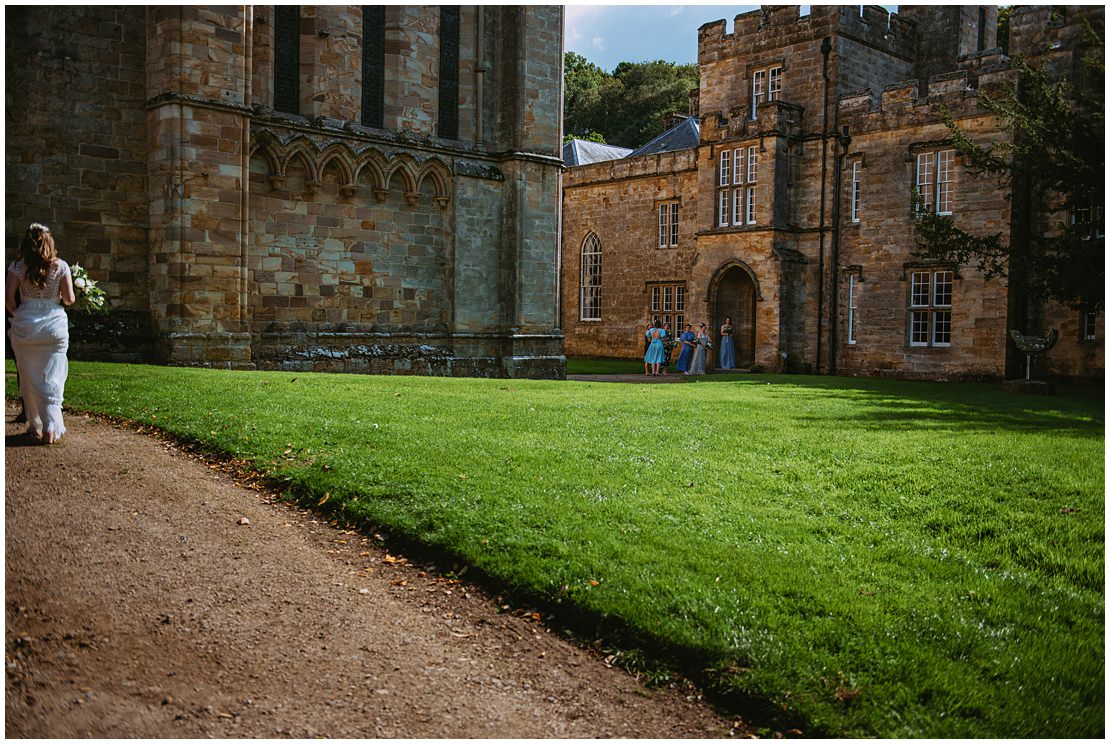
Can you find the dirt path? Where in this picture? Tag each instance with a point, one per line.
(150, 596)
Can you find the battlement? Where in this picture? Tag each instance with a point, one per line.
(956, 91)
(643, 166)
(874, 26)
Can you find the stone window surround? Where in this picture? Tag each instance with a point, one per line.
(930, 308)
(923, 148)
(853, 309)
(668, 233)
(764, 66)
(855, 193)
(674, 311)
(1088, 325)
(738, 191)
(589, 309)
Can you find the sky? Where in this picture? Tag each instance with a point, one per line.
(609, 34)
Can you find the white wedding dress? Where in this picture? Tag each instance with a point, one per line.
(40, 339)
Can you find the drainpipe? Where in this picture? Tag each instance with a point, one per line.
(845, 141)
(826, 47)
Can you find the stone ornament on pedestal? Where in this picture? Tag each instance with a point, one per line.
(1032, 346)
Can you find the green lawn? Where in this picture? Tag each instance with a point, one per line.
(871, 557)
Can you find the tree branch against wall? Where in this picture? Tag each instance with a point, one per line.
(1056, 166)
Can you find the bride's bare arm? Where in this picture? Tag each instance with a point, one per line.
(68, 297)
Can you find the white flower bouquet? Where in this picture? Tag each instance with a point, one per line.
(90, 297)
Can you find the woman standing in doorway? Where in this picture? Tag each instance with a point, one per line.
(40, 330)
(727, 357)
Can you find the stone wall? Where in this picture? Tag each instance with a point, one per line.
(879, 249)
(243, 237)
(799, 258)
(617, 201)
(76, 151)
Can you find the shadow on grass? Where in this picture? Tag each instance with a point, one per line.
(1077, 410)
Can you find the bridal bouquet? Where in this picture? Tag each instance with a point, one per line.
(90, 297)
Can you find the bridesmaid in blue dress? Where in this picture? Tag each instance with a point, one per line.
(726, 357)
(697, 366)
(655, 354)
(687, 339)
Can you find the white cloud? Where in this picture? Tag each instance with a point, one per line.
(598, 43)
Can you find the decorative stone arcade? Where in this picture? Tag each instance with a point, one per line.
(317, 243)
(341, 188)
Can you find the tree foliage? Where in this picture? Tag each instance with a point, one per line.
(1054, 168)
(628, 107)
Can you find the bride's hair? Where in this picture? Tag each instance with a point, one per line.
(38, 253)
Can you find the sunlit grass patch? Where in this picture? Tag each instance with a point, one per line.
(873, 557)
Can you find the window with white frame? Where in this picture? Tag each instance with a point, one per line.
(930, 312)
(1088, 330)
(668, 305)
(766, 86)
(853, 304)
(936, 180)
(856, 191)
(753, 177)
(668, 224)
(1089, 222)
(737, 181)
(590, 284)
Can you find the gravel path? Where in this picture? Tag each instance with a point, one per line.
(148, 596)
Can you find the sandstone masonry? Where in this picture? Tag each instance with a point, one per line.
(229, 231)
(794, 211)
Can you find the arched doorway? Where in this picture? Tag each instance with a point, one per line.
(736, 295)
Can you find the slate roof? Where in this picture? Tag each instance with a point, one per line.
(582, 152)
(684, 135)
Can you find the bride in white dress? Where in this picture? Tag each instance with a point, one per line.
(40, 330)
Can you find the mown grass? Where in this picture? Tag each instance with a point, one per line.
(597, 366)
(871, 557)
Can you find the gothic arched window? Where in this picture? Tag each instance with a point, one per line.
(590, 296)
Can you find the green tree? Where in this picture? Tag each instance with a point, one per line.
(627, 107)
(1053, 171)
(582, 82)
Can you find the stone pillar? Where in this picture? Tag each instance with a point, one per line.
(531, 128)
(199, 82)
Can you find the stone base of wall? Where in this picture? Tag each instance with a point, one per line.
(217, 349)
(386, 354)
(118, 336)
(1029, 387)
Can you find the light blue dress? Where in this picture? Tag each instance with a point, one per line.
(726, 358)
(655, 353)
(697, 366)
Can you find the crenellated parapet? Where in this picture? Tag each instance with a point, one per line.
(776, 118)
(644, 166)
(874, 26)
(909, 102)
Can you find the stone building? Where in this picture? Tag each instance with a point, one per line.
(335, 188)
(791, 210)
